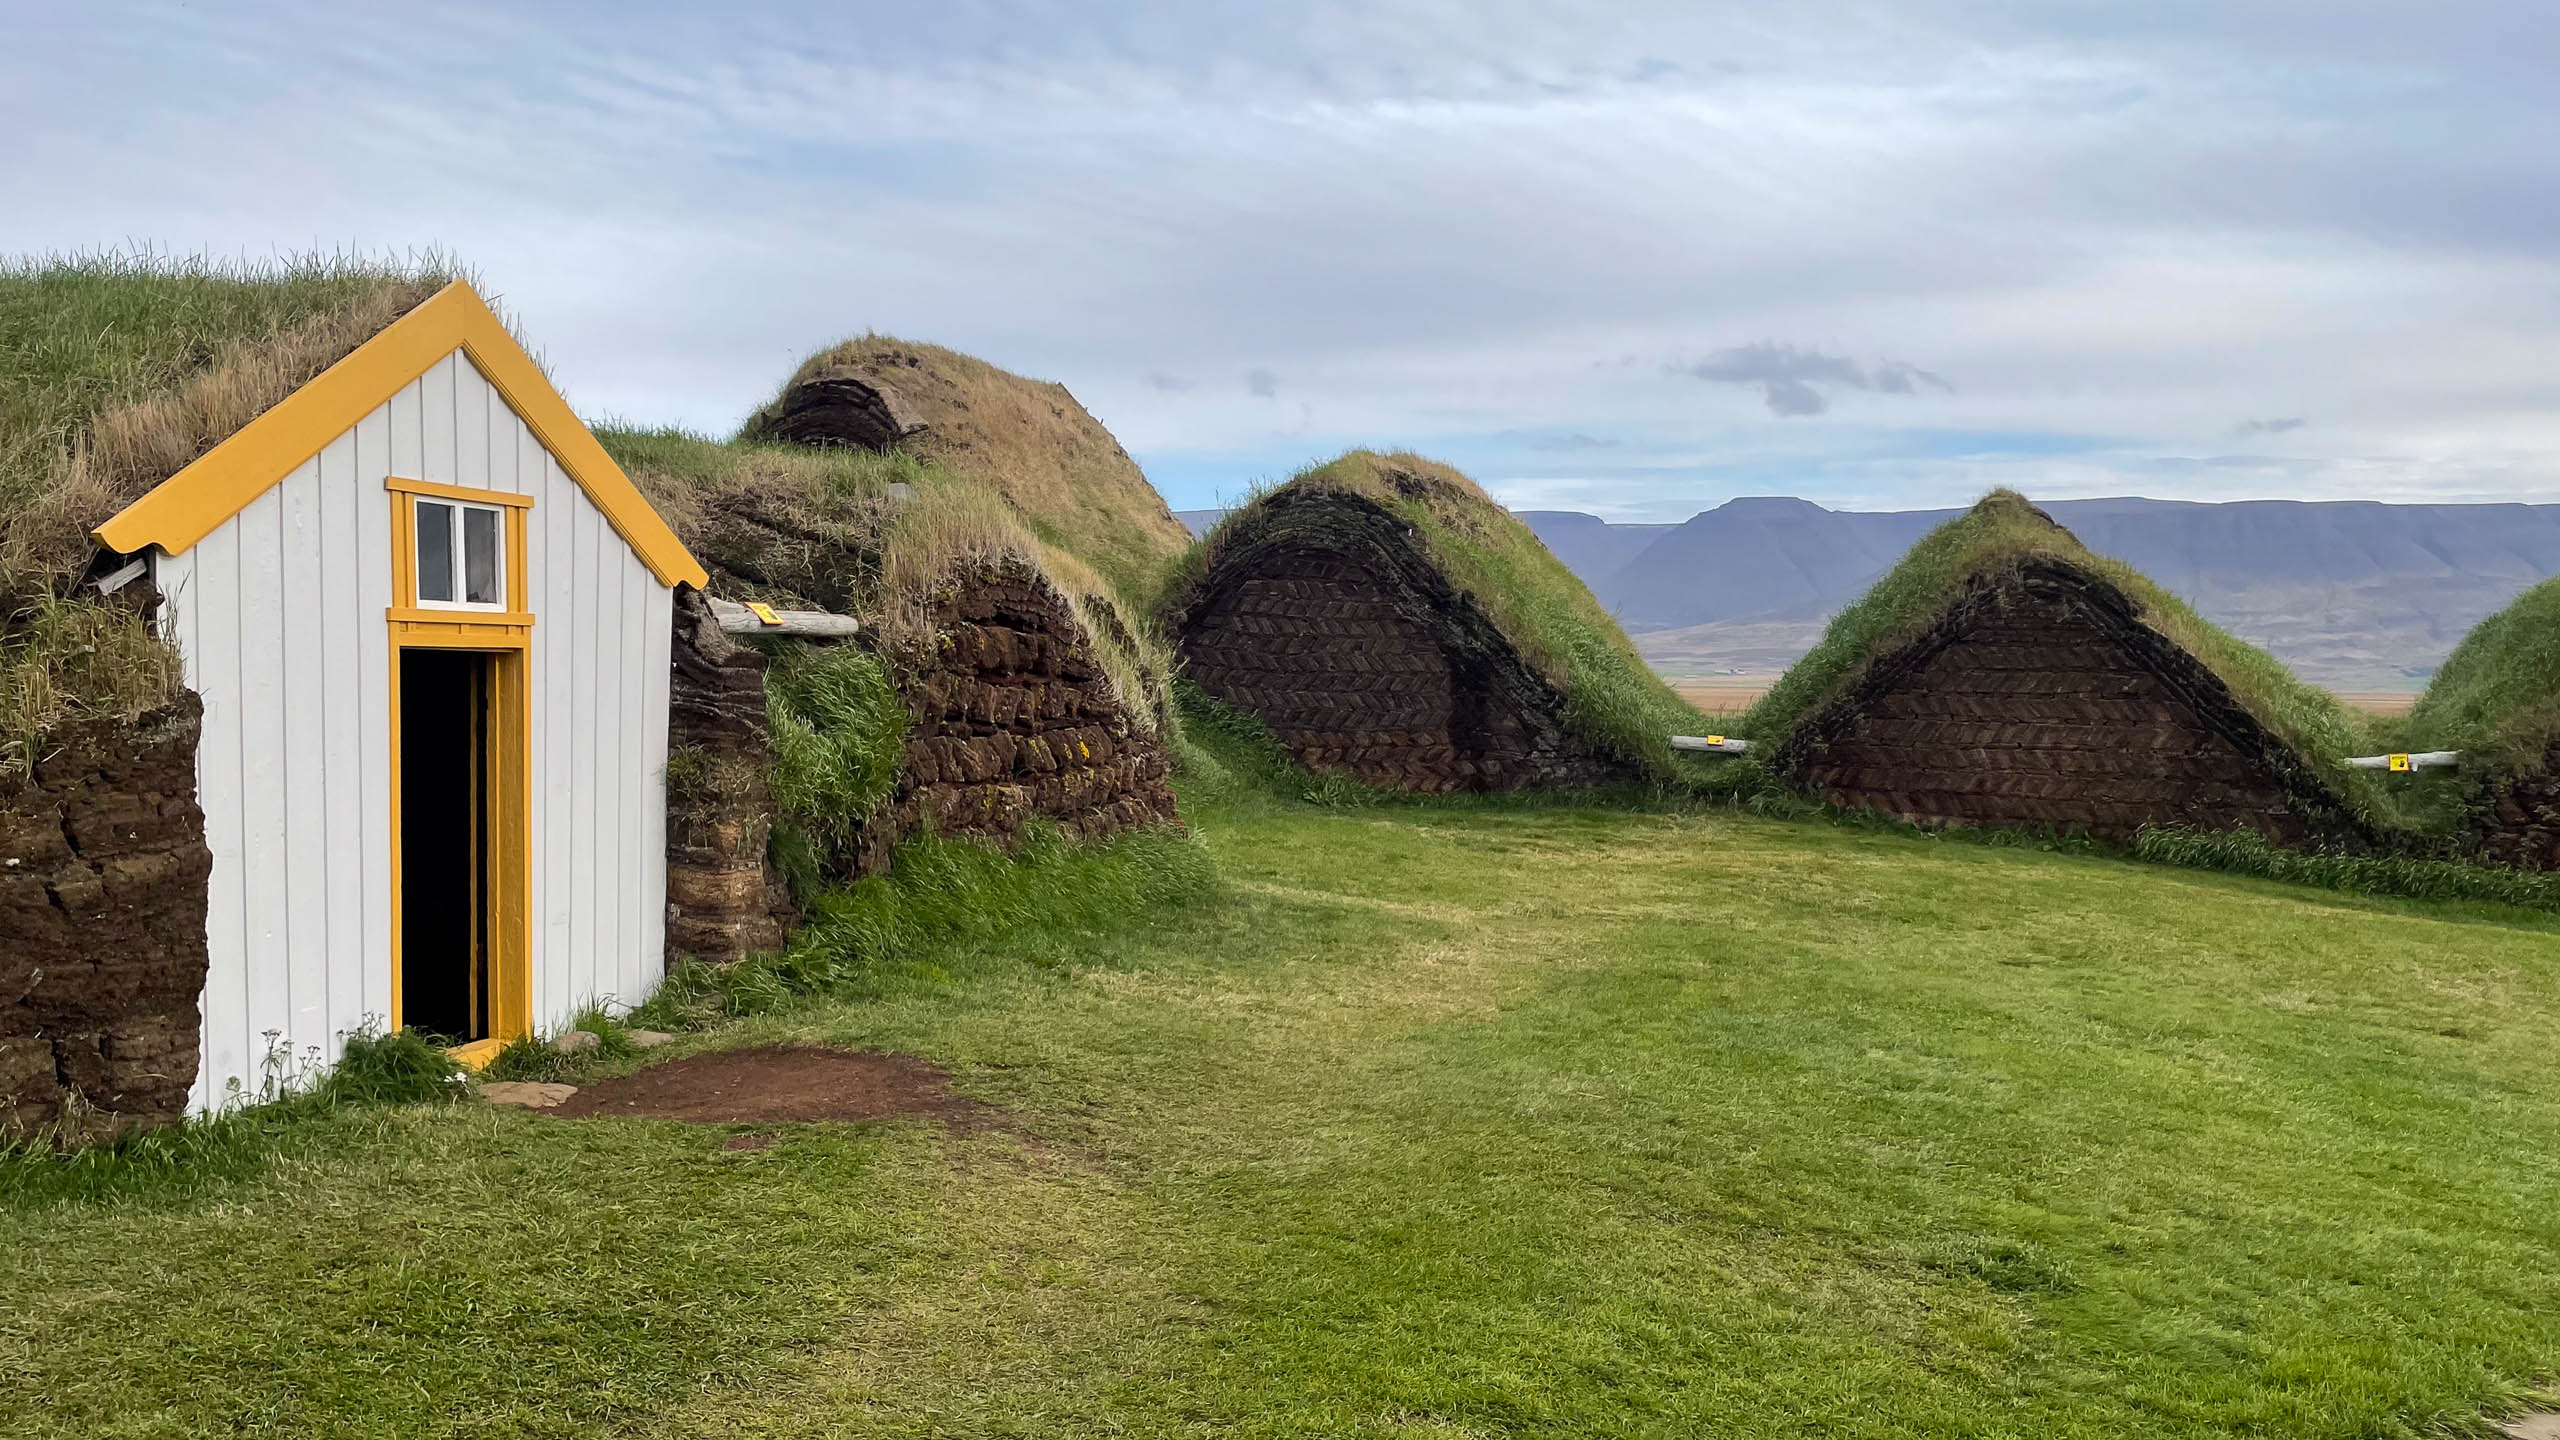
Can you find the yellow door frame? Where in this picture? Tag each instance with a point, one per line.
(506, 635)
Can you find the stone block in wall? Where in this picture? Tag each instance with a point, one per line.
(724, 899)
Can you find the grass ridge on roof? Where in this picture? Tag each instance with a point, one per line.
(117, 369)
(1612, 698)
(2496, 698)
(2002, 531)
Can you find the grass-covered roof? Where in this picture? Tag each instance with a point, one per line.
(822, 528)
(117, 371)
(2497, 696)
(1613, 700)
(2004, 532)
(1027, 440)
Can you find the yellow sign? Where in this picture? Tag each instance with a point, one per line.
(1716, 740)
(763, 612)
(2399, 762)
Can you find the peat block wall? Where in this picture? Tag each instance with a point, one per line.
(1326, 624)
(2518, 822)
(1010, 717)
(102, 926)
(725, 901)
(2040, 700)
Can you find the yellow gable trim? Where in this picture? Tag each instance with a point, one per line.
(191, 504)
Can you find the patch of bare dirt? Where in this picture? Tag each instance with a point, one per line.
(783, 1084)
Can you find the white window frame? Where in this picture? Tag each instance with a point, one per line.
(453, 539)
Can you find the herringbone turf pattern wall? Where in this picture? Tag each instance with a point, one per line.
(1319, 615)
(1320, 652)
(2040, 701)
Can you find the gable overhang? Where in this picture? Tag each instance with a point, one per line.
(193, 503)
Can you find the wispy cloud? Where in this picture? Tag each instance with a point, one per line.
(1792, 379)
(1262, 383)
(2248, 428)
(1170, 384)
(1549, 440)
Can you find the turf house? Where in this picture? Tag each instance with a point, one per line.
(338, 666)
(2003, 676)
(993, 684)
(1389, 622)
(2496, 700)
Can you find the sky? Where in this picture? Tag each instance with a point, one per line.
(1634, 259)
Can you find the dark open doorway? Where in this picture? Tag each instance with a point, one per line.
(444, 842)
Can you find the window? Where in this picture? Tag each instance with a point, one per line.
(458, 549)
(461, 559)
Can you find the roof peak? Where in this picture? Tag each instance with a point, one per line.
(189, 505)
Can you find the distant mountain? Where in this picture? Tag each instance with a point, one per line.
(1589, 545)
(1758, 555)
(2351, 594)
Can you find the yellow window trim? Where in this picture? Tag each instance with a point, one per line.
(191, 504)
(429, 615)
(467, 494)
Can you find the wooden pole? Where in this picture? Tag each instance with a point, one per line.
(737, 619)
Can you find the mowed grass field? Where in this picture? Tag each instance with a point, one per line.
(1451, 1122)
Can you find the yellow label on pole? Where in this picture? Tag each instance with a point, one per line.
(763, 612)
(2399, 762)
(1716, 740)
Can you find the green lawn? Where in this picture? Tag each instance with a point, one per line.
(1447, 1122)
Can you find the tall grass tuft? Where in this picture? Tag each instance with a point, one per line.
(941, 898)
(181, 1159)
(533, 1057)
(1227, 756)
(838, 732)
(65, 658)
(2244, 852)
(402, 1067)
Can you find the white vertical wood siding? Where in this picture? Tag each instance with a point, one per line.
(279, 615)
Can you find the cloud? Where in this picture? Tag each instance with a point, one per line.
(1549, 440)
(2120, 221)
(1895, 378)
(1787, 375)
(2268, 427)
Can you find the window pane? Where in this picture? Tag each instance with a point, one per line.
(480, 556)
(435, 551)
